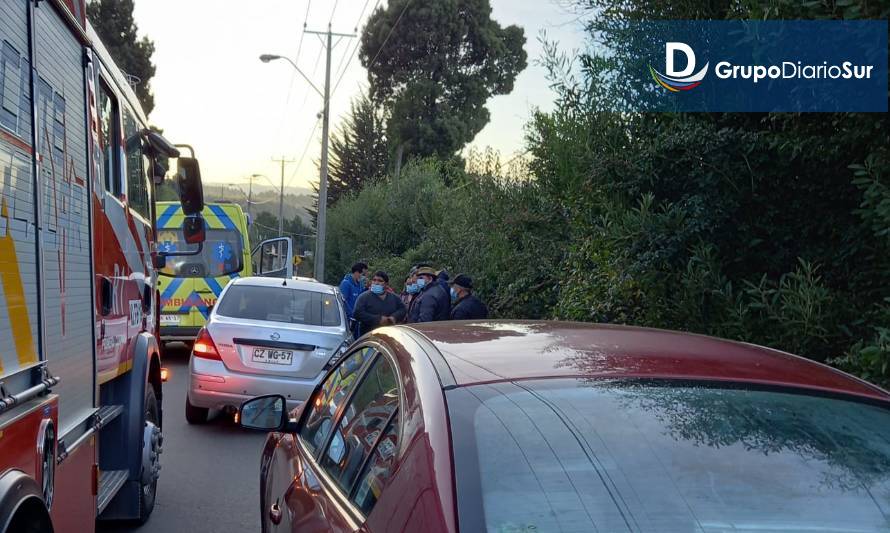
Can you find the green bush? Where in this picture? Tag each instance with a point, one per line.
(766, 228)
(870, 358)
(386, 219)
(487, 228)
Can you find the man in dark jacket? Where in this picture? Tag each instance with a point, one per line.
(378, 306)
(464, 304)
(432, 302)
(442, 277)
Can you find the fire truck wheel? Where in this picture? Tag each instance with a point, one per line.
(195, 415)
(151, 465)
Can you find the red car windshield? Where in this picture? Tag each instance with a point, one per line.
(564, 455)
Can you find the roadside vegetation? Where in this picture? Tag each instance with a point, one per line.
(766, 228)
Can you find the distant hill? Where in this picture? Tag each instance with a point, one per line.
(265, 199)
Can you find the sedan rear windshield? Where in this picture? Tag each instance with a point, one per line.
(571, 456)
(280, 304)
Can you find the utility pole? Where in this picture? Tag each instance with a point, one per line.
(283, 162)
(325, 128)
(250, 192)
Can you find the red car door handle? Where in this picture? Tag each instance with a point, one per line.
(275, 514)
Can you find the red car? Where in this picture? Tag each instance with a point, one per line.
(552, 426)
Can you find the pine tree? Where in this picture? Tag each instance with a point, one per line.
(358, 150)
(358, 154)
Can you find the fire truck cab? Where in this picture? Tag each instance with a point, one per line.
(80, 369)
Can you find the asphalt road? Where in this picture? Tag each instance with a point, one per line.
(210, 474)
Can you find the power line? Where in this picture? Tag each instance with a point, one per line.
(355, 48)
(287, 232)
(308, 92)
(325, 132)
(342, 57)
(340, 78)
(293, 76)
(333, 11)
(346, 66)
(388, 35)
(283, 162)
(360, 15)
(305, 150)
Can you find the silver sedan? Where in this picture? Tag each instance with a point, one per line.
(265, 336)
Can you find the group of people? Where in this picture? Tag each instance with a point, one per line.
(429, 295)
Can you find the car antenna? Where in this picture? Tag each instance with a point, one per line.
(284, 282)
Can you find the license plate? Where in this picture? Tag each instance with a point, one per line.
(170, 319)
(275, 357)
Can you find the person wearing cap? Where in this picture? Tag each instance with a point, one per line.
(378, 307)
(464, 304)
(432, 302)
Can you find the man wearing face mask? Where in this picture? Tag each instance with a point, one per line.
(378, 306)
(464, 304)
(410, 290)
(432, 302)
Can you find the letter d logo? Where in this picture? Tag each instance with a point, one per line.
(678, 80)
(670, 50)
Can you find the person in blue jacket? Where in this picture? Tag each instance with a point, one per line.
(432, 303)
(353, 285)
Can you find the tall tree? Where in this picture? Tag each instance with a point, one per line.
(433, 65)
(358, 156)
(358, 150)
(113, 21)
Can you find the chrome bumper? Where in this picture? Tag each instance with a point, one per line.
(214, 386)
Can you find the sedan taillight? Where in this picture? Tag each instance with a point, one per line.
(204, 346)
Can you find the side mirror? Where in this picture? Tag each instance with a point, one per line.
(264, 413)
(193, 230)
(159, 261)
(191, 191)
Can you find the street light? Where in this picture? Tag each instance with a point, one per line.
(323, 181)
(267, 58)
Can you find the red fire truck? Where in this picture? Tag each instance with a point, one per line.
(80, 372)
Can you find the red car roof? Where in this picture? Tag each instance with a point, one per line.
(488, 351)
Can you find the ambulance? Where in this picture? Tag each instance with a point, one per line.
(190, 285)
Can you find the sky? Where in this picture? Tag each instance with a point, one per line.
(211, 90)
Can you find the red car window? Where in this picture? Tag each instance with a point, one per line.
(378, 469)
(367, 415)
(331, 395)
